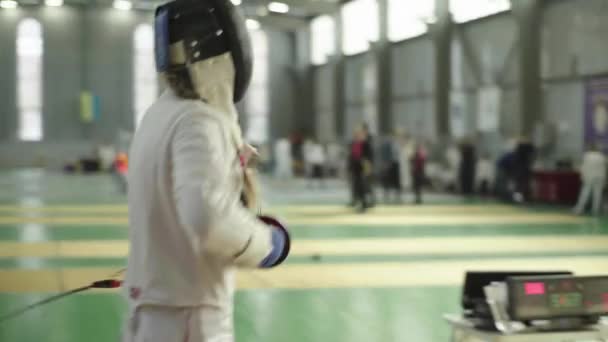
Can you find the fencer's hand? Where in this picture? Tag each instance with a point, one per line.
(249, 156)
(281, 242)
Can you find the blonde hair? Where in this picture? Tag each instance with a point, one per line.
(250, 189)
(179, 81)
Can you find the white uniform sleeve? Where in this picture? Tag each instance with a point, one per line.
(204, 196)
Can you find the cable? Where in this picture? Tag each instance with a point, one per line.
(101, 284)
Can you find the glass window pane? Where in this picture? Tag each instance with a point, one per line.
(256, 101)
(31, 125)
(29, 80)
(144, 69)
(260, 57)
(360, 25)
(257, 129)
(467, 10)
(408, 18)
(323, 39)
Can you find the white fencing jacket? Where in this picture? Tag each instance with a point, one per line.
(315, 154)
(593, 168)
(187, 227)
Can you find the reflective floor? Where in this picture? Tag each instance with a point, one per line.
(388, 275)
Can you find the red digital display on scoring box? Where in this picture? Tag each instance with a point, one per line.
(534, 288)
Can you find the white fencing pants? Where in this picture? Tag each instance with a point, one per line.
(174, 324)
(590, 188)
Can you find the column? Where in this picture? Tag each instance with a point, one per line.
(339, 101)
(528, 16)
(442, 37)
(384, 65)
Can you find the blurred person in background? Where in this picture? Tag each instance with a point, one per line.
(359, 167)
(120, 171)
(466, 172)
(418, 162)
(453, 158)
(390, 173)
(593, 176)
(334, 159)
(406, 151)
(484, 175)
(106, 155)
(315, 161)
(282, 158)
(369, 181)
(297, 154)
(525, 153)
(306, 167)
(504, 184)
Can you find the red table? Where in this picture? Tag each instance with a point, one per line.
(560, 187)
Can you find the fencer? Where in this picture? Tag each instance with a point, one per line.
(593, 176)
(190, 228)
(283, 169)
(406, 152)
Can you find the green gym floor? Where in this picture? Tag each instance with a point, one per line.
(388, 275)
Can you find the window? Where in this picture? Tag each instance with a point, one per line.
(144, 70)
(467, 10)
(408, 18)
(256, 103)
(323, 39)
(29, 80)
(360, 26)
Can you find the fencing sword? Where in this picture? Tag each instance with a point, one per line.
(100, 284)
(112, 283)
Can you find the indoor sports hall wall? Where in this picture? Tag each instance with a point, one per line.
(92, 49)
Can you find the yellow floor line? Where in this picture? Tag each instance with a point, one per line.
(294, 208)
(62, 208)
(404, 274)
(346, 219)
(356, 275)
(423, 220)
(363, 246)
(286, 210)
(17, 249)
(66, 220)
(397, 209)
(29, 281)
(93, 249)
(456, 245)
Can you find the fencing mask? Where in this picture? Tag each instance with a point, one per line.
(207, 40)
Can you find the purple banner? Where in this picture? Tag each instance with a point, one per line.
(596, 113)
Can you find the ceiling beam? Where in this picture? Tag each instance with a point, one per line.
(310, 7)
(283, 22)
(313, 6)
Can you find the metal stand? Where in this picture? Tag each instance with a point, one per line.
(464, 331)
